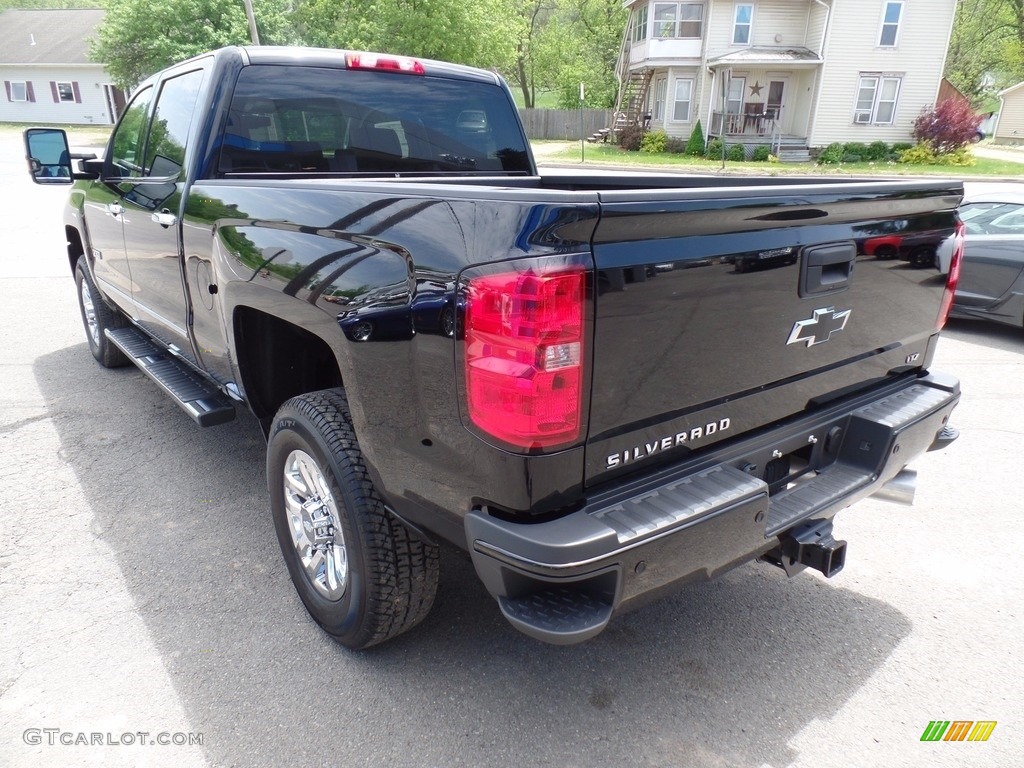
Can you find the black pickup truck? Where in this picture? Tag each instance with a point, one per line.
(598, 384)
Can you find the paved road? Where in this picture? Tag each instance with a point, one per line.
(141, 590)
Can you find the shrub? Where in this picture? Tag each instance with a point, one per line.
(630, 137)
(831, 155)
(949, 125)
(677, 146)
(920, 154)
(695, 144)
(959, 157)
(737, 153)
(855, 148)
(714, 150)
(877, 150)
(653, 141)
(761, 153)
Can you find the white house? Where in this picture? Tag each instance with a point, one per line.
(799, 73)
(46, 72)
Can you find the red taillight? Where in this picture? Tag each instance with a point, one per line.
(524, 356)
(378, 61)
(954, 275)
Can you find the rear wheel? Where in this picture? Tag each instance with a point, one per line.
(97, 317)
(362, 575)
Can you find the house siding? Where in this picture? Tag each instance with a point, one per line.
(90, 79)
(784, 19)
(1010, 128)
(918, 58)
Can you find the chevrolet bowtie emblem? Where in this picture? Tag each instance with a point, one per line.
(820, 328)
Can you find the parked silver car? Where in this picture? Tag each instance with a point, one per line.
(992, 273)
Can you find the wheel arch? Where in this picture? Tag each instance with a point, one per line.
(76, 248)
(278, 360)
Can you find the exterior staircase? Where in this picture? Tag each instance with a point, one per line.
(633, 88)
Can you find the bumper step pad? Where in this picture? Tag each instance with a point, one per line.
(200, 400)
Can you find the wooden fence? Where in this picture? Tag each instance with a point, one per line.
(563, 123)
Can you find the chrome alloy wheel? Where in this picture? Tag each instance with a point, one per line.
(315, 525)
(90, 314)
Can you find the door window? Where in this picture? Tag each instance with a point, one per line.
(126, 153)
(168, 136)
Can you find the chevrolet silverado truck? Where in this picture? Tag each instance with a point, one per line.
(598, 384)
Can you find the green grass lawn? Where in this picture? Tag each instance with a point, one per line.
(612, 155)
(77, 134)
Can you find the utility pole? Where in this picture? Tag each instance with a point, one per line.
(253, 33)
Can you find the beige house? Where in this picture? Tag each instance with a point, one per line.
(1010, 124)
(793, 73)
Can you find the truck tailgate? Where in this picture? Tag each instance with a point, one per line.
(718, 312)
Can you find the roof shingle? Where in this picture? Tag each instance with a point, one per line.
(53, 36)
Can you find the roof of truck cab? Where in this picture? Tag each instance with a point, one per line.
(333, 57)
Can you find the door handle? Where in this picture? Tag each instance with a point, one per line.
(114, 209)
(165, 218)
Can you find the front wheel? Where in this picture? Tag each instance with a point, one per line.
(362, 575)
(97, 317)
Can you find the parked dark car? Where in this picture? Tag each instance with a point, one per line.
(991, 282)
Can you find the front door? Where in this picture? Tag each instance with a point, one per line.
(775, 105)
(105, 205)
(152, 227)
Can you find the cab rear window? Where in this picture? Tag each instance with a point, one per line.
(309, 119)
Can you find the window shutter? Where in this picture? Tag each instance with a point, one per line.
(7, 88)
(30, 92)
(53, 90)
(78, 94)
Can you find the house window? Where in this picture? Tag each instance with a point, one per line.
(683, 100)
(17, 91)
(66, 91)
(876, 99)
(891, 16)
(683, 20)
(640, 24)
(743, 20)
(660, 88)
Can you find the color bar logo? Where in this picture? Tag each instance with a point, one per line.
(958, 730)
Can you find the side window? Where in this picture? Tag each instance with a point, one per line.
(126, 156)
(892, 13)
(165, 150)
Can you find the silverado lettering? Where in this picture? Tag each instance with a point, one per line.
(666, 443)
(440, 342)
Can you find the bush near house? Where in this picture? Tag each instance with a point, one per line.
(654, 141)
(677, 146)
(695, 145)
(923, 153)
(761, 154)
(831, 155)
(714, 150)
(630, 137)
(736, 153)
(948, 126)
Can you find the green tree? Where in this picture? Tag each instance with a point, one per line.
(482, 33)
(140, 37)
(987, 43)
(581, 46)
(534, 17)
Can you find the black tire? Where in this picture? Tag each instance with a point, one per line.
(923, 256)
(92, 304)
(886, 252)
(391, 574)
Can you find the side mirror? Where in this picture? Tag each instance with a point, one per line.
(49, 159)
